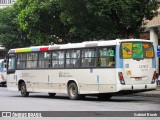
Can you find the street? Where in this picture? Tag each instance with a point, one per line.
(12, 101)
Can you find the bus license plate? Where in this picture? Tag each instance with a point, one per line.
(138, 78)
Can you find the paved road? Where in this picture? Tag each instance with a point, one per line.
(12, 101)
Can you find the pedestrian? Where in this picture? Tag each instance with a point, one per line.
(158, 79)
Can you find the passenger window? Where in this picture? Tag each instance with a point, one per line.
(89, 57)
(72, 58)
(21, 61)
(32, 59)
(58, 59)
(106, 57)
(44, 60)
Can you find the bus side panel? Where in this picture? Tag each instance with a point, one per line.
(91, 81)
(107, 80)
(39, 80)
(84, 78)
(12, 82)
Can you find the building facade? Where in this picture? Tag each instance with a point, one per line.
(6, 3)
(153, 28)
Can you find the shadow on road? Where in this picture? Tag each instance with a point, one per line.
(88, 98)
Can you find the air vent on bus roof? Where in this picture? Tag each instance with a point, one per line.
(90, 44)
(55, 47)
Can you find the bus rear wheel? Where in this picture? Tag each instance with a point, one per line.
(104, 96)
(23, 90)
(73, 91)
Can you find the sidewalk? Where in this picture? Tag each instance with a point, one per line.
(154, 93)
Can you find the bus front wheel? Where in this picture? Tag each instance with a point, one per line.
(23, 90)
(73, 91)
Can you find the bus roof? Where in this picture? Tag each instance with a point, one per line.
(2, 48)
(73, 45)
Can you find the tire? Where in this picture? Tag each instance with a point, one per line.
(3, 84)
(73, 91)
(52, 94)
(104, 96)
(23, 90)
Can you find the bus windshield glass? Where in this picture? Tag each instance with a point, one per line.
(137, 50)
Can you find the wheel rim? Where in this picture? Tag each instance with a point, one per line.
(22, 89)
(73, 91)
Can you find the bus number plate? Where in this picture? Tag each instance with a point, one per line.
(138, 78)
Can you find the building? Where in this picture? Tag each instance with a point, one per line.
(152, 33)
(6, 3)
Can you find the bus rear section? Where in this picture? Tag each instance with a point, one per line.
(137, 65)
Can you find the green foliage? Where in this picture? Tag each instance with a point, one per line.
(127, 16)
(40, 22)
(11, 35)
(40, 19)
(83, 23)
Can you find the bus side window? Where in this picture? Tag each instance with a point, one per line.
(21, 61)
(77, 63)
(106, 57)
(44, 60)
(85, 63)
(32, 59)
(89, 57)
(58, 59)
(72, 58)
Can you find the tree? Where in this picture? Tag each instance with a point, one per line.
(128, 16)
(40, 19)
(11, 36)
(46, 21)
(84, 24)
(120, 17)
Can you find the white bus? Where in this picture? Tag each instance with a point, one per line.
(2, 65)
(3, 72)
(89, 68)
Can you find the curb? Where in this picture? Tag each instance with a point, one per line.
(158, 87)
(147, 95)
(153, 93)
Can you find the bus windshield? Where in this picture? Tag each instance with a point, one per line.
(137, 50)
